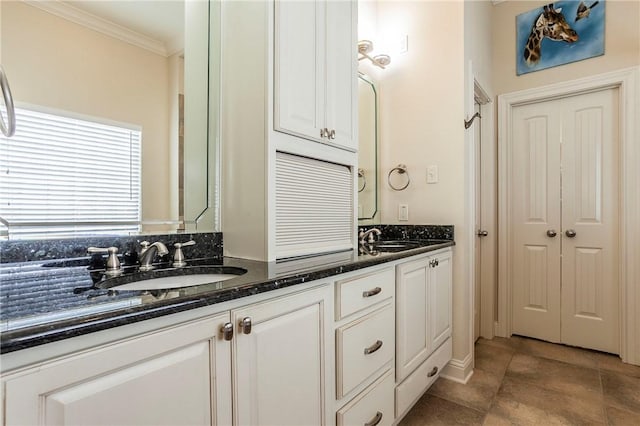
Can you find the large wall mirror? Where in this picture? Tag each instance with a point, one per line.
(367, 149)
(140, 79)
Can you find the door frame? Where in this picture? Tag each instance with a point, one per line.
(627, 81)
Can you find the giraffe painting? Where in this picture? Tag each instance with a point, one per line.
(552, 25)
(545, 38)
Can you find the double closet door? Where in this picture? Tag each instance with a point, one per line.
(564, 220)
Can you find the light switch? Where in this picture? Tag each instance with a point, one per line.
(403, 212)
(432, 174)
(404, 44)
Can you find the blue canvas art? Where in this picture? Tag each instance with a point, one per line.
(559, 33)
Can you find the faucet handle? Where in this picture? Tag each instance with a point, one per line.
(178, 256)
(113, 263)
(144, 245)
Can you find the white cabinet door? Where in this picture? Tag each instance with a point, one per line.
(280, 361)
(179, 375)
(423, 310)
(440, 299)
(316, 70)
(341, 72)
(412, 340)
(299, 68)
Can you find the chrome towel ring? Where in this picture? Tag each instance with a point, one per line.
(401, 169)
(364, 180)
(8, 128)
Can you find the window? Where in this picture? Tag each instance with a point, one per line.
(63, 176)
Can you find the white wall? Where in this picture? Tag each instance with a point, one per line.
(421, 124)
(55, 63)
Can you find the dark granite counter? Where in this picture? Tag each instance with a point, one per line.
(50, 300)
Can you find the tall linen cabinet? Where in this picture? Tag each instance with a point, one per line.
(288, 86)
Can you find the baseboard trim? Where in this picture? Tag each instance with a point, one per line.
(459, 370)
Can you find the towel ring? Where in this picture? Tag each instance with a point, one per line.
(401, 169)
(364, 180)
(9, 128)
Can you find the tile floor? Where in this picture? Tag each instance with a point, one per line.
(529, 382)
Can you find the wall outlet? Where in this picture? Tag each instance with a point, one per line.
(403, 212)
(432, 174)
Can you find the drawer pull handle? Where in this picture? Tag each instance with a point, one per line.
(374, 421)
(432, 372)
(373, 292)
(371, 349)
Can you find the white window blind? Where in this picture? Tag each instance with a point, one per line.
(314, 206)
(62, 176)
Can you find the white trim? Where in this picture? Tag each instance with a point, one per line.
(459, 371)
(628, 83)
(101, 25)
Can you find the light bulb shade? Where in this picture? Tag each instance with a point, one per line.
(383, 60)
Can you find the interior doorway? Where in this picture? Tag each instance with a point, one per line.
(485, 215)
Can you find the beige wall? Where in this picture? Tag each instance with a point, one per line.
(55, 63)
(421, 112)
(622, 46)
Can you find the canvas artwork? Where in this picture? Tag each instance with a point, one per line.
(559, 33)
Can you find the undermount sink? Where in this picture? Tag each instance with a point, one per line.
(394, 246)
(191, 277)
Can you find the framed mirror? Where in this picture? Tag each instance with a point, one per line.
(367, 149)
(117, 126)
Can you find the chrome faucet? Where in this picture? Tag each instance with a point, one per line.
(364, 234)
(149, 252)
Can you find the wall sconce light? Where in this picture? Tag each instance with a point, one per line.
(365, 47)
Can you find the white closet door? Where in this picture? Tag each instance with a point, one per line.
(565, 178)
(590, 208)
(535, 203)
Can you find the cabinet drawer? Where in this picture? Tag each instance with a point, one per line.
(409, 391)
(374, 406)
(358, 293)
(363, 347)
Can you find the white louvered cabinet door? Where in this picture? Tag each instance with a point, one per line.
(314, 206)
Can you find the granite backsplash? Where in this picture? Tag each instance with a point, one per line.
(413, 232)
(208, 245)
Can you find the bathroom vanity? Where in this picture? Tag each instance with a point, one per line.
(338, 339)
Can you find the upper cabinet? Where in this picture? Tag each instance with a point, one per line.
(315, 73)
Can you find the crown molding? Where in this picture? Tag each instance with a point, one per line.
(101, 25)
(495, 2)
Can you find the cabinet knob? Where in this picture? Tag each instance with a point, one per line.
(551, 233)
(332, 134)
(433, 263)
(570, 233)
(245, 325)
(432, 372)
(375, 420)
(227, 331)
(371, 349)
(482, 233)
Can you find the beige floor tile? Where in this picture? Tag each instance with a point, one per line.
(477, 393)
(560, 376)
(492, 359)
(520, 402)
(568, 354)
(431, 410)
(501, 342)
(613, 363)
(617, 417)
(621, 391)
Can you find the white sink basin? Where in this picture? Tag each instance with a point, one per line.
(175, 282)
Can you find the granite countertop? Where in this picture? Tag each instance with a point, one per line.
(51, 300)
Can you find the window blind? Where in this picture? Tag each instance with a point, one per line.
(62, 176)
(314, 206)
